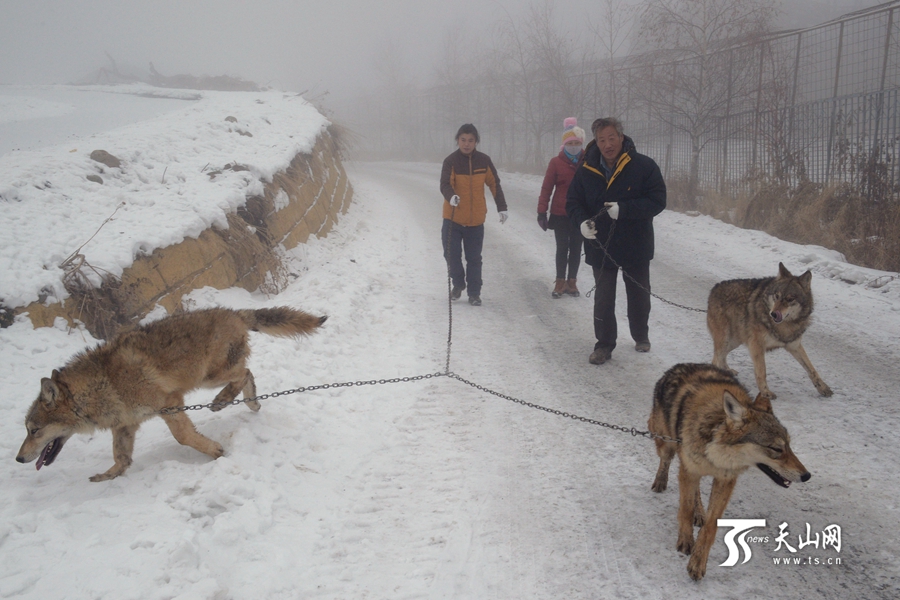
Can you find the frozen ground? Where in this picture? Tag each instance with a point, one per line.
(434, 489)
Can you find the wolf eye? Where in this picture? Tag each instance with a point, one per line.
(34, 430)
(789, 299)
(775, 449)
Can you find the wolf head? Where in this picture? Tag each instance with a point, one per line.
(752, 435)
(50, 422)
(788, 297)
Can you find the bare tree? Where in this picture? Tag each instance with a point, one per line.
(611, 34)
(695, 76)
(452, 65)
(541, 70)
(774, 125)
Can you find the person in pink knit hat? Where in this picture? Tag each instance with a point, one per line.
(553, 196)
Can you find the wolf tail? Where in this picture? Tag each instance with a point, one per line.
(281, 321)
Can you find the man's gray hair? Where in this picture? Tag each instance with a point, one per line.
(605, 122)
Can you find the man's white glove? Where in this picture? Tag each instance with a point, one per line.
(503, 216)
(588, 230)
(613, 211)
(454, 200)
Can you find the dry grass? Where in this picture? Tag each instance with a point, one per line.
(97, 307)
(865, 231)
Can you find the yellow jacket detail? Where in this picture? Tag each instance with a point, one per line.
(466, 176)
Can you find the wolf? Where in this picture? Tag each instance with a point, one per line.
(720, 432)
(764, 314)
(145, 369)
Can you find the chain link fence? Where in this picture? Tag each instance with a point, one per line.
(818, 104)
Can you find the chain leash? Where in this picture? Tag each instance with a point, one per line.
(604, 248)
(633, 431)
(298, 390)
(327, 386)
(449, 288)
(446, 373)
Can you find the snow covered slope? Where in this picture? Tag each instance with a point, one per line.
(162, 189)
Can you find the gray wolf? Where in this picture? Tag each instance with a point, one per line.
(142, 370)
(763, 314)
(722, 433)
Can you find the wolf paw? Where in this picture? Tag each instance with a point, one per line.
(699, 519)
(659, 486)
(824, 390)
(111, 474)
(685, 545)
(217, 450)
(695, 569)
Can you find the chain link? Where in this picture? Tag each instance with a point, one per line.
(447, 373)
(633, 431)
(625, 273)
(299, 390)
(449, 289)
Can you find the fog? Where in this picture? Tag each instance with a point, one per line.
(312, 46)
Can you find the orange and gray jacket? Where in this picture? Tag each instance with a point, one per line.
(465, 176)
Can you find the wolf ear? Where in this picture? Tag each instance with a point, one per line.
(49, 392)
(805, 279)
(763, 403)
(783, 273)
(734, 410)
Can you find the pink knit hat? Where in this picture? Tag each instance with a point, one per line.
(571, 131)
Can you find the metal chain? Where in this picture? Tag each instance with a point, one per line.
(449, 288)
(625, 273)
(299, 390)
(631, 430)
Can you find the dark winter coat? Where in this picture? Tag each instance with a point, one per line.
(465, 175)
(559, 175)
(637, 185)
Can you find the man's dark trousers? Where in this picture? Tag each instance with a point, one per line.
(637, 290)
(456, 239)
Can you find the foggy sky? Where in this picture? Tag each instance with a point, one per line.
(299, 45)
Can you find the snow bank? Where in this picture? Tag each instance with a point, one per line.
(163, 189)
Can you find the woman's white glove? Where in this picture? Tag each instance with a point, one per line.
(503, 216)
(613, 211)
(588, 230)
(454, 200)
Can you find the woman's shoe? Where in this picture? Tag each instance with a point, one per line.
(560, 288)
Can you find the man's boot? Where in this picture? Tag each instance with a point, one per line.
(571, 289)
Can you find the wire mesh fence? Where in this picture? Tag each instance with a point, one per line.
(818, 104)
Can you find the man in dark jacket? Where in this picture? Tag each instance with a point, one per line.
(613, 198)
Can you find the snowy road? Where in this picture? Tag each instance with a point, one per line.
(589, 487)
(434, 489)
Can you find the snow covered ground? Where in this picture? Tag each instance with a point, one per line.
(434, 489)
(163, 189)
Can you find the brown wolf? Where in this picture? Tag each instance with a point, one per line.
(722, 432)
(764, 314)
(140, 371)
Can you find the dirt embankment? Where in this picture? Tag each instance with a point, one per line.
(303, 200)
